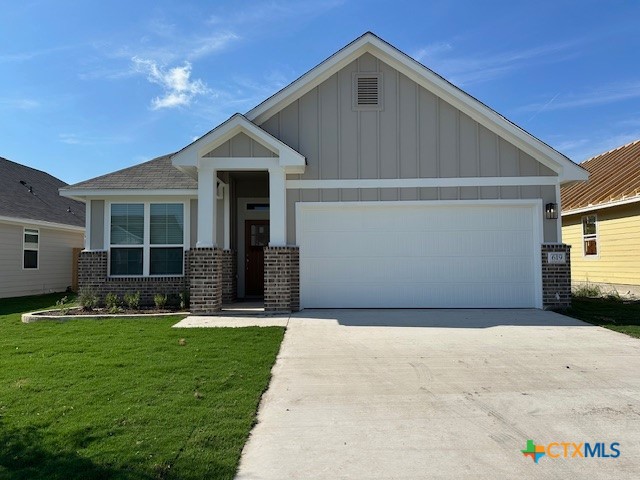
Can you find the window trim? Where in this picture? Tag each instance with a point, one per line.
(592, 236)
(146, 242)
(24, 247)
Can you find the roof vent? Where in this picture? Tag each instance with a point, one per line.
(367, 91)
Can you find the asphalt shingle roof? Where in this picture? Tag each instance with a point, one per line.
(158, 173)
(613, 176)
(37, 198)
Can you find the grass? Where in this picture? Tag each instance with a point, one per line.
(123, 399)
(613, 313)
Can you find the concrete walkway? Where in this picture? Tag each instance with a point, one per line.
(232, 321)
(416, 394)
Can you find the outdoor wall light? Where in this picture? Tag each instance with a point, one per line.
(551, 210)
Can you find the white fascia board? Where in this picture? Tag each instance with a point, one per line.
(40, 223)
(82, 194)
(600, 206)
(566, 169)
(422, 182)
(190, 155)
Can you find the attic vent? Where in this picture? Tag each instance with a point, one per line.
(367, 91)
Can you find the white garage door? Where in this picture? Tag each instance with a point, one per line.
(419, 254)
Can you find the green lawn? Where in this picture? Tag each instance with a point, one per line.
(619, 315)
(121, 399)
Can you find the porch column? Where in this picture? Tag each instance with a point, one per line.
(207, 203)
(277, 207)
(87, 225)
(227, 217)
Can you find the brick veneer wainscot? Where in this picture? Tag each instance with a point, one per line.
(556, 277)
(282, 279)
(205, 274)
(92, 274)
(229, 276)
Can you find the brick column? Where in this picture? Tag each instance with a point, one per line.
(281, 279)
(229, 276)
(205, 271)
(92, 271)
(556, 277)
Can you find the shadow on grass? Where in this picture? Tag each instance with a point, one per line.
(614, 313)
(9, 306)
(24, 456)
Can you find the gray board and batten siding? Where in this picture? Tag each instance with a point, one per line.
(414, 135)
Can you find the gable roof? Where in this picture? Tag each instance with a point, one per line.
(614, 179)
(369, 42)
(290, 159)
(156, 174)
(37, 198)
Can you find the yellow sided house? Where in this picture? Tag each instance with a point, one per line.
(601, 220)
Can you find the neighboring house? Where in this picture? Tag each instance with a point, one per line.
(38, 231)
(601, 220)
(368, 182)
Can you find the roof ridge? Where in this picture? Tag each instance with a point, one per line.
(611, 151)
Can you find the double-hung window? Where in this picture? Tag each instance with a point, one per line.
(30, 248)
(167, 239)
(146, 239)
(590, 235)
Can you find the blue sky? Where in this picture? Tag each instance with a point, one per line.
(89, 87)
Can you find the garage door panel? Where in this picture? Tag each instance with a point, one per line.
(371, 255)
(403, 295)
(425, 269)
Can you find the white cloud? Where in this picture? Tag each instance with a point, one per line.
(19, 103)
(432, 50)
(584, 148)
(173, 46)
(82, 139)
(599, 96)
(476, 68)
(207, 45)
(179, 89)
(25, 56)
(264, 12)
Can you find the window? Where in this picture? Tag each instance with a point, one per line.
(367, 91)
(167, 232)
(30, 247)
(589, 235)
(127, 238)
(147, 239)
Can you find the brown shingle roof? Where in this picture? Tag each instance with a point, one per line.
(158, 173)
(613, 176)
(31, 194)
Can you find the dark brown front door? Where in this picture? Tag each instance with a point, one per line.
(256, 237)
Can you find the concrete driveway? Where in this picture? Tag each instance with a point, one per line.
(414, 394)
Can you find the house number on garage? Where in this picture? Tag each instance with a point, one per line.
(556, 257)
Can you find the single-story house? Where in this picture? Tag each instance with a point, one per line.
(38, 231)
(370, 181)
(601, 220)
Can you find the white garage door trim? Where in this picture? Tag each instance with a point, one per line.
(535, 206)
